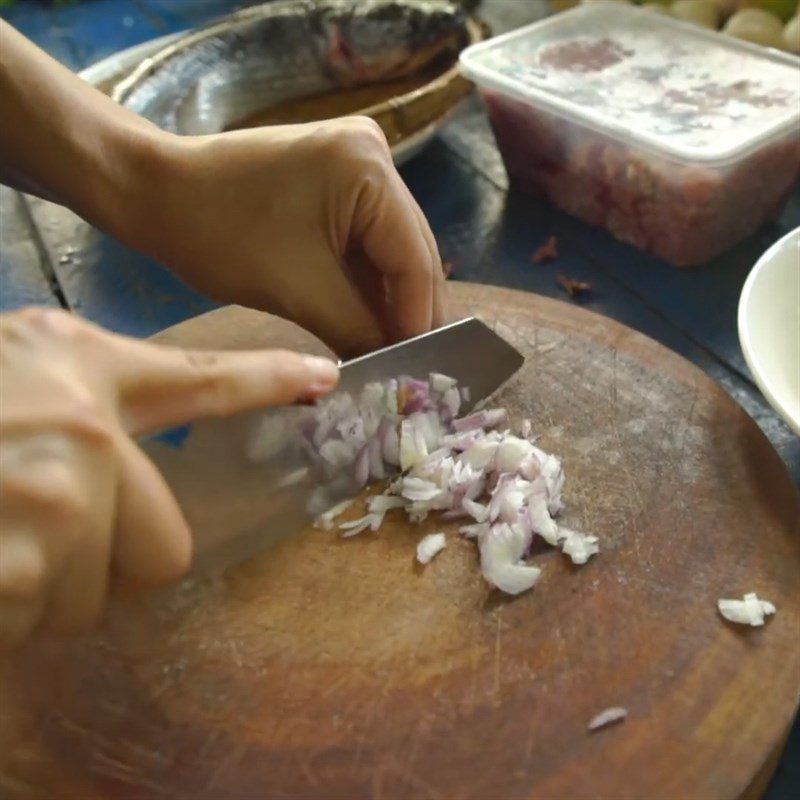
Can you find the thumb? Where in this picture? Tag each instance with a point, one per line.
(161, 386)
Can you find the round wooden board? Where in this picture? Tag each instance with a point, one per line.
(339, 669)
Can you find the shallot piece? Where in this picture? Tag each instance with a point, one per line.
(503, 488)
(502, 549)
(326, 518)
(429, 546)
(356, 526)
(748, 611)
(607, 717)
(578, 546)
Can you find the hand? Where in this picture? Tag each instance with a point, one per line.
(76, 494)
(311, 222)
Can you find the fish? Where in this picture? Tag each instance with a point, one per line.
(212, 79)
(375, 42)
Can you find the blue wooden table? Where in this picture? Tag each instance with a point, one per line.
(485, 229)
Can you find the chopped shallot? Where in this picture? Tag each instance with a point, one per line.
(381, 503)
(429, 546)
(608, 717)
(474, 531)
(748, 611)
(441, 383)
(502, 549)
(355, 526)
(325, 519)
(578, 546)
(504, 488)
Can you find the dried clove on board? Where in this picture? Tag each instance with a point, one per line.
(547, 252)
(572, 287)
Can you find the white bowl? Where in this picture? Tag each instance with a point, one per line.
(769, 326)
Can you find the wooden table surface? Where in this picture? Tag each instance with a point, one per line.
(485, 229)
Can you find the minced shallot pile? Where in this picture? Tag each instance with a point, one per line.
(408, 432)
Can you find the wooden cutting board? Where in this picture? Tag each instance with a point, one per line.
(340, 669)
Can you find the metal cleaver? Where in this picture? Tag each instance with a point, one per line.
(241, 497)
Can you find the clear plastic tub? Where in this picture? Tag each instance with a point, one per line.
(678, 140)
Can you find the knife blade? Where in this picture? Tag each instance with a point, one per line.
(243, 486)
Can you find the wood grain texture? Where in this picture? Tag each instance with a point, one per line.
(331, 668)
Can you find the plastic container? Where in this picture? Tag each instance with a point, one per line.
(676, 139)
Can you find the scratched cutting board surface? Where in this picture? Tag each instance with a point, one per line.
(333, 668)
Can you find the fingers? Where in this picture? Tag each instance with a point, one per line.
(58, 525)
(387, 229)
(390, 228)
(371, 286)
(78, 587)
(23, 565)
(344, 318)
(22, 573)
(18, 619)
(438, 301)
(152, 542)
(161, 386)
(56, 507)
(79, 590)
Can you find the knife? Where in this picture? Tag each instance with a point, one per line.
(242, 483)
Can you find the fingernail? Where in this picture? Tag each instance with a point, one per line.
(324, 373)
